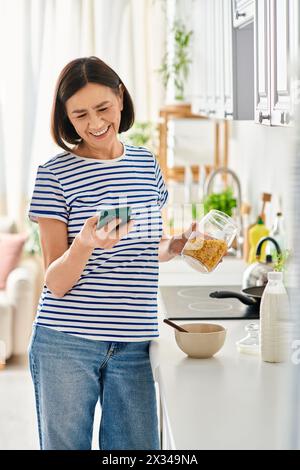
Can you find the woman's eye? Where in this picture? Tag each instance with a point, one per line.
(83, 115)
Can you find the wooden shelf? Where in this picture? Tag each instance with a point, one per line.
(183, 111)
(177, 173)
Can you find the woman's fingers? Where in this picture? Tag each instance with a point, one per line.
(112, 232)
(122, 230)
(111, 225)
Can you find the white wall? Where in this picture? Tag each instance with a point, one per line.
(261, 156)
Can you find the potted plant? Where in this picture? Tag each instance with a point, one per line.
(224, 201)
(177, 69)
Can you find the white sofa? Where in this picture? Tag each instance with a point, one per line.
(18, 301)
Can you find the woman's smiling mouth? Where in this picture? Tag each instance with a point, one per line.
(100, 134)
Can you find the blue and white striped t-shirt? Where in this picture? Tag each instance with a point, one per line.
(115, 298)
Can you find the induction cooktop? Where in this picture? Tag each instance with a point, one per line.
(194, 303)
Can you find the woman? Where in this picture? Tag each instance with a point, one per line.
(98, 309)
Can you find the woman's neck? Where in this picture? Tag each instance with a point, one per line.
(114, 152)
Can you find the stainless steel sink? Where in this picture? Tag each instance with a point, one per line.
(194, 303)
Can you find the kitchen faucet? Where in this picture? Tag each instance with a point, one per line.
(208, 190)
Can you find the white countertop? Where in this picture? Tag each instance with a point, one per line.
(177, 271)
(230, 401)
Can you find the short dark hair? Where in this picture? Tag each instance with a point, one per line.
(74, 76)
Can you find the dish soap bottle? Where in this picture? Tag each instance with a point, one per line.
(256, 233)
(274, 316)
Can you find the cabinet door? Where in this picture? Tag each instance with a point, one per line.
(294, 55)
(262, 61)
(227, 53)
(199, 100)
(280, 30)
(210, 57)
(219, 58)
(243, 12)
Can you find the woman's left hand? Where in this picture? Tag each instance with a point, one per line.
(177, 242)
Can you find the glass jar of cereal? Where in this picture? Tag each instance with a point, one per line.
(207, 245)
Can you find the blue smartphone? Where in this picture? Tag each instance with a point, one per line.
(106, 215)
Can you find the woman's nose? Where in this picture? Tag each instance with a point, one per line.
(95, 122)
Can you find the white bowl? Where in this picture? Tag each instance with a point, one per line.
(203, 340)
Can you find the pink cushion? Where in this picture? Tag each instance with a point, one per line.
(11, 246)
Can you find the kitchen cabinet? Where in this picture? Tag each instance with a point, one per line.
(211, 42)
(208, 64)
(219, 85)
(227, 61)
(276, 47)
(280, 53)
(243, 12)
(262, 62)
(199, 102)
(244, 53)
(221, 67)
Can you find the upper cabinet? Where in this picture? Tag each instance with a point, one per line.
(262, 62)
(276, 46)
(243, 56)
(243, 12)
(200, 59)
(283, 52)
(222, 69)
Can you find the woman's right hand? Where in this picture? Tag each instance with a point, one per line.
(106, 237)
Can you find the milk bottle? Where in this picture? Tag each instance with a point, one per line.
(274, 320)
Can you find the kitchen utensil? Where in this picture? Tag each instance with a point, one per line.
(190, 303)
(256, 273)
(266, 197)
(245, 211)
(206, 247)
(250, 296)
(202, 341)
(177, 327)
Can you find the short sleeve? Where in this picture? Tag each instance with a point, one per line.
(48, 198)
(163, 192)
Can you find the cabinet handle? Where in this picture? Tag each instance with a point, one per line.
(285, 118)
(238, 15)
(262, 116)
(212, 111)
(226, 114)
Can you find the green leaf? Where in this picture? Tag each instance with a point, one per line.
(223, 201)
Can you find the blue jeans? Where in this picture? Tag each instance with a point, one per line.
(71, 373)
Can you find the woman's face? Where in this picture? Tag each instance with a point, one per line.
(95, 112)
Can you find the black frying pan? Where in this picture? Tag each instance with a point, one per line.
(250, 296)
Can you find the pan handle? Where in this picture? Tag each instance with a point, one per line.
(226, 294)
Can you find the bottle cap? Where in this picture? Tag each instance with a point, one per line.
(260, 220)
(275, 276)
